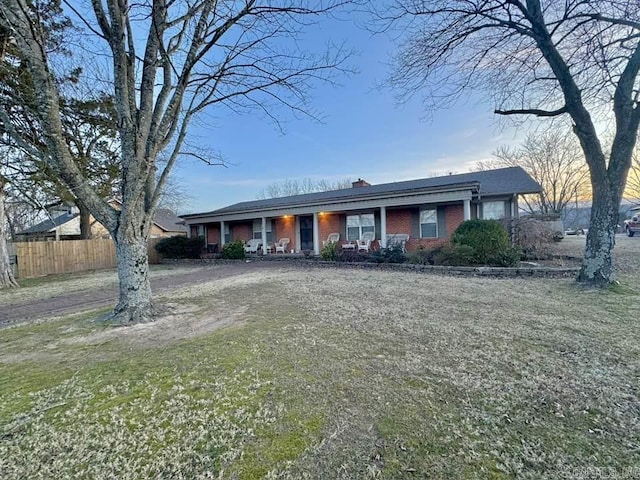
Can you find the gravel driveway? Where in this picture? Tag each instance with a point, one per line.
(106, 296)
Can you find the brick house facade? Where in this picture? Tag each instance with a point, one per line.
(427, 210)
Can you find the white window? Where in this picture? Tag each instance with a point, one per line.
(359, 224)
(257, 230)
(429, 223)
(227, 233)
(493, 210)
(200, 231)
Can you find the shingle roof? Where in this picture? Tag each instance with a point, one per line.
(501, 181)
(50, 224)
(169, 221)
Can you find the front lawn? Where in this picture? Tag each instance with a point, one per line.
(323, 373)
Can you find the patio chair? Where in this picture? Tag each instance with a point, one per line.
(365, 241)
(398, 240)
(253, 245)
(282, 244)
(332, 238)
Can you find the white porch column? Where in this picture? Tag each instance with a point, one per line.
(296, 226)
(383, 227)
(467, 210)
(221, 235)
(316, 240)
(264, 235)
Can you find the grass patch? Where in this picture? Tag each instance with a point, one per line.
(383, 375)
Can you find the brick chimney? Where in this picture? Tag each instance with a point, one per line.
(360, 183)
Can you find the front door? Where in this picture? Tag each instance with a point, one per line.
(306, 232)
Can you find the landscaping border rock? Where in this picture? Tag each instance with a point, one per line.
(494, 272)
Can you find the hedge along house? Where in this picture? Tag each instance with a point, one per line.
(428, 210)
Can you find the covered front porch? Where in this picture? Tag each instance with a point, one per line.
(424, 223)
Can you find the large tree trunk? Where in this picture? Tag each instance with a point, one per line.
(6, 274)
(85, 222)
(597, 265)
(135, 304)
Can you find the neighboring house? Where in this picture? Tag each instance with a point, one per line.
(167, 224)
(66, 226)
(428, 210)
(63, 224)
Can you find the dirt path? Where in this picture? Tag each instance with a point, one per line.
(95, 298)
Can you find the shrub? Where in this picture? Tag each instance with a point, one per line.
(488, 239)
(352, 256)
(534, 238)
(180, 247)
(424, 256)
(454, 255)
(392, 254)
(509, 258)
(233, 250)
(330, 252)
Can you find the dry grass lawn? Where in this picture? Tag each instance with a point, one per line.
(336, 374)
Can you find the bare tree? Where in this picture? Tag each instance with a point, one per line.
(169, 61)
(554, 160)
(633, 181)
(574, 59)
(6, 274)
(290, 187)
(175, 195)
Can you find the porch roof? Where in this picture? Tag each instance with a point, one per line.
(503, 181)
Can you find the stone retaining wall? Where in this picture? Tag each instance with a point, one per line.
(495, 272)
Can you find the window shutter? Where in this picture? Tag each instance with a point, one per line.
(376, 223)
(442, 222)
(343, 227)
(415, 223)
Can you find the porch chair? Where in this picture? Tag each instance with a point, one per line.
(332, 238)
(365, 241)
(253, 245)
(398, 240)
(282, 244)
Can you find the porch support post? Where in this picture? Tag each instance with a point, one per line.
(264, 235)
(316, 240)
(467, 210)
(221, 235)
(383, 227)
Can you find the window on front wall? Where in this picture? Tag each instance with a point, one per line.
(429, 223)
(493, 210)
(200, 231)
(257, 230)
(359, 224)
(227, 233)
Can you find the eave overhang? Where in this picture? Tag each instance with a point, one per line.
(392, 199)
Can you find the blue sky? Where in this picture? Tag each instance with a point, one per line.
(364, 134)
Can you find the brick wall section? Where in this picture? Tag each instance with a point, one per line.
(329, 223)
(241, 231)
(285, 227)
(455, 216)
(399, 221)
(213, 233)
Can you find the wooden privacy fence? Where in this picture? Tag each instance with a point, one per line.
(36, 259)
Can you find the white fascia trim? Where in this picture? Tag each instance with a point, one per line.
(343, 206)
